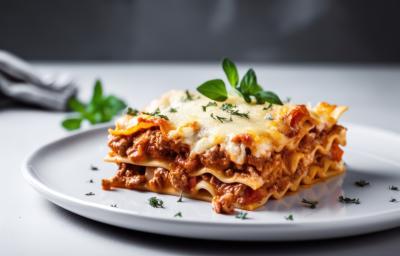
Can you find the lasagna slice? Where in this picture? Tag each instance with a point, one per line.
(233, 154)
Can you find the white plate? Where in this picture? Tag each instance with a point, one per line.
(60, 171)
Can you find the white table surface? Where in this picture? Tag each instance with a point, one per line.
(30, 225)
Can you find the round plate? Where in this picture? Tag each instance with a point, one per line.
(61, 171)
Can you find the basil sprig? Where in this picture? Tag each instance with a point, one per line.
(214, 89)
(231, 72)
(248, 87)
(100, 109)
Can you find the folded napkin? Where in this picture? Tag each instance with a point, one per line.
(20, 82)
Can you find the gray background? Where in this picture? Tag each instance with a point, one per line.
(202, 30)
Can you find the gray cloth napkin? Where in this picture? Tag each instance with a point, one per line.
(19, 81)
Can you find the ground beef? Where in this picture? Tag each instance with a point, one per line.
(224, 203)
(158, 147)
(257, 162)
(215, 157)
(160, 176)
(120, 144)
(179, 179)
(151, 143)
(128, 176)
(274, 168)
(236, 189)
(137, 151)
(190, 164)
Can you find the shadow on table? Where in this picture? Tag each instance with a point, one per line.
(370, 244)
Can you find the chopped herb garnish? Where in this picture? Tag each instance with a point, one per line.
(241, 114)
(90, 194)
(348, 200)
(163, 116)
(173, 110)
(290, 217)
(361, 183)
(267, 108)
(309, 203)
(394, 188)
(91, 181)
(100, 109)
(94, 168)
(209, 104)
(241, 215)
(132, 112)
(221, 118)
(393, 200)
(114, 205)
(155, 202)
(188, 96)
(269, 117)
(156, 113)
(248, 88)
(230, 108)
(180, 198)
(178, 214)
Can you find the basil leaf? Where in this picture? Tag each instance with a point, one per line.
(268, 96)
(72, 123)
(255, 89)
(95, 117)
(100, 109)
(246, 97)
(76, 105)
(214, 89)
(108, 107)
(97, 93)
(248, 88)
(248, 85)
(107, 114)
(230, 72)
(238, 92)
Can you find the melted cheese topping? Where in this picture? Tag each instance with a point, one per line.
(198, 129)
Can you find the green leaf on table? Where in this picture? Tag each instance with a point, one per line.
(114, 104)
(100, 109)
(97, 92)
(72, 123)
(76, 105)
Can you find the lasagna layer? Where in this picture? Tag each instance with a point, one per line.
(240, 163)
